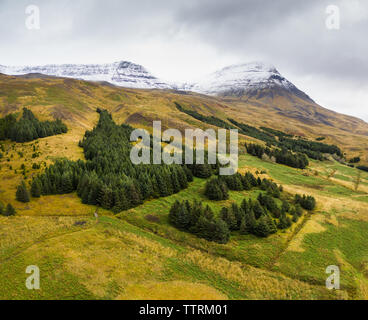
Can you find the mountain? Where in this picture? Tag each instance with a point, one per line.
(254, 80)
(251, 91)
(124, 73)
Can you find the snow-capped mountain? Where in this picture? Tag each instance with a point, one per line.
(252, 79)
(124, 73)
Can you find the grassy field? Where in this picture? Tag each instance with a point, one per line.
(112, 259)
(128, 256)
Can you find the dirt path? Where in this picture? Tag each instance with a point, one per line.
(22, 249)
(299, 227)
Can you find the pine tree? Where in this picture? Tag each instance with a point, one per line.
(244, 228)
(295, 217)
(262, 227)
(121, 203)
(216, 189)
(183, 180)
(285, 206)
(238, 215)
(284, 221)
(106, 197)
(298, 210)
(9, 211)
(85, 195)
(271, 224)
(229, 217)
(179, 215)
(257, 209)
(66, 183)
(208, 213)
(248, 223)
(221, 232)
(246, 183)
(202, 170)
(133, 195)
(195, 213)
(22, 193)
(36, 188)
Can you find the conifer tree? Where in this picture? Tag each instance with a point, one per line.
(271, 224)
(284, 221)
(66, 183)
(257, 209)
(179, 215)
(36, 188)
(229, 217)
(285, 206)
(22, 193)
(106, 197)
(248, 223)
(262, 227)
(9, 211)
(221, 232)
(195, 213)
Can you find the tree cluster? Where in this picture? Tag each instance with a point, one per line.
(206, 119)
(198, 220)
(107, 177)
(283, 156)
(7, 211)
(363, 168)
(218, 188)
(261, 217)
(354, 160)
(286, 143)
(306, 202)
(29, 128)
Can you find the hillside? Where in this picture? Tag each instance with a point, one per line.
(137, 254)
(73, 100)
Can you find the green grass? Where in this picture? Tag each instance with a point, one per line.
(345, 246)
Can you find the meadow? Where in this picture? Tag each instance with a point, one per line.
(134, 256)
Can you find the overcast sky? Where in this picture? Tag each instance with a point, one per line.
(183, 40)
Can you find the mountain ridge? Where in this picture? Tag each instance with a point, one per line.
(122, 73)
(254, 79)
(251, 79)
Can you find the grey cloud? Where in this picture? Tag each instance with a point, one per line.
(291, 34)
(288, 33)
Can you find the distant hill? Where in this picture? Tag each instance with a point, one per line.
(75, 102)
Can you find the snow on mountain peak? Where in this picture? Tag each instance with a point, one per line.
(241, 77)
(234, 80)
(122, 73)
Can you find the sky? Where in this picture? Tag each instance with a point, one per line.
(185, 40)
